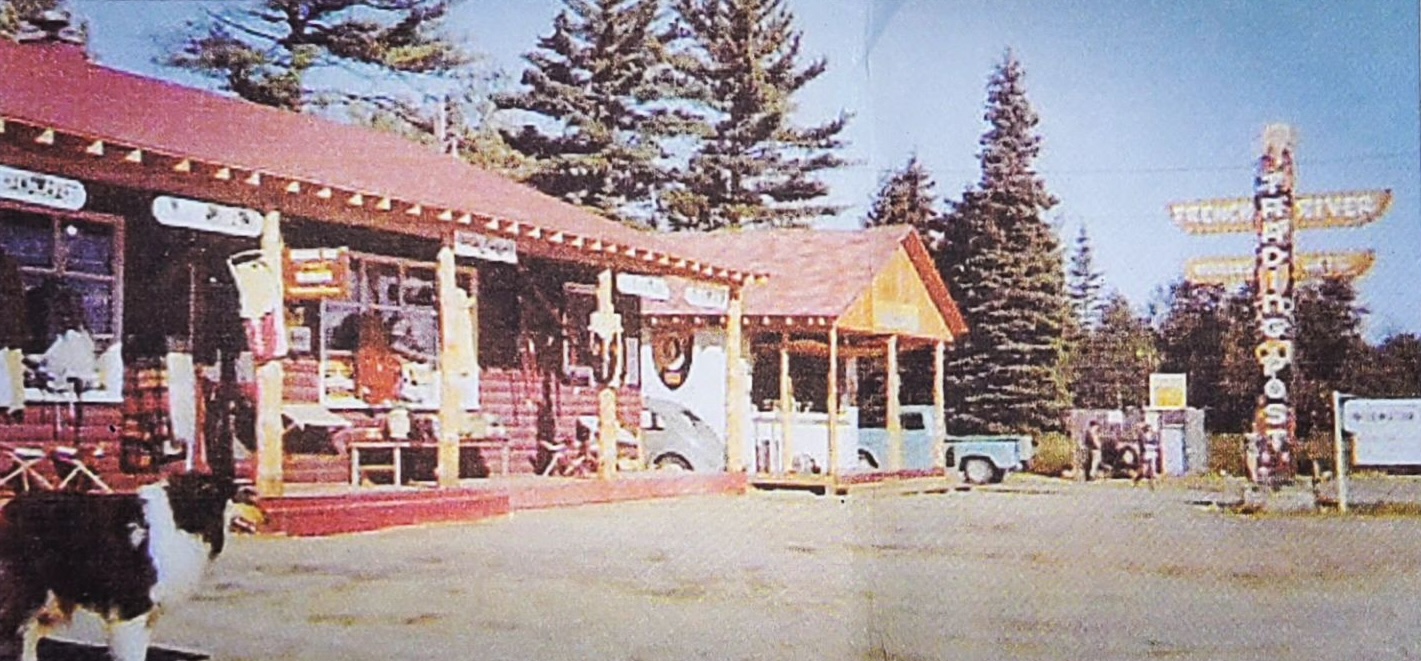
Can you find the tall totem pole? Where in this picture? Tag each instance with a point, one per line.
(1273, 206)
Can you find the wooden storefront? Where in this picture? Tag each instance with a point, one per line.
(230, 255)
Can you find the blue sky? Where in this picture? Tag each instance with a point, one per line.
(1142, 103)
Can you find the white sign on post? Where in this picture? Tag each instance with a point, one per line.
(1387, 431)
(42, 189)
(207, 217)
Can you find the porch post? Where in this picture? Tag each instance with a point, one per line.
(270, 481)
(735, 390)
(451, 413)
(939, 407)
(607, 327)
(894, 413)
(832, 405)
(786, 408)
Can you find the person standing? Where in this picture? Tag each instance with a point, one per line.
(1092, 442)
(1149, 454)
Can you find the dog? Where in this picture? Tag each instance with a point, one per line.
(122, 557)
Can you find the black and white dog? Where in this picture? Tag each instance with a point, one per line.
(123, 557)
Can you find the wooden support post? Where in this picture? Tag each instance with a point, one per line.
(894, 412)
(736, 391)
(939, 406)
(270, 481)
(607, 426)
(451, 410)
(832, 401)
(786, 408)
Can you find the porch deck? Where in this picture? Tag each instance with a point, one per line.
(331, 509)
(905, 481)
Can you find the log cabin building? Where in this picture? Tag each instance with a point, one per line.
(244, 271)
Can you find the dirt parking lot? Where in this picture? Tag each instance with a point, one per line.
(1040, 569)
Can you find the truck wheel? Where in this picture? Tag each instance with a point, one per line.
(672, 463)
(977, 470)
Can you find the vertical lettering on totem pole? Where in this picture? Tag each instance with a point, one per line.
(1274, 221)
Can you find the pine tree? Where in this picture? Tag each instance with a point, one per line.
(1390, 369)
(1240, 379)
(1114, 359)
(266, 51)
(1084, 282)
(1190, 336)
(738, 62)
(14, 12)
(1003, 264)
(906, 197)
(594, 83)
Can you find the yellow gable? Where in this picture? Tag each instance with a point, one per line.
(897, 303)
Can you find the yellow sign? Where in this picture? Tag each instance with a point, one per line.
(1327, 211)
(1232, 271)
(1168, 391)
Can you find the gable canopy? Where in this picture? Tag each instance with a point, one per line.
(63, 114)
(879, 281)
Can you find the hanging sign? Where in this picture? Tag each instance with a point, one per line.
(316, 273)
(207, 217)
(487, 248)
(1168, 391)
(713, 297)
(1326, 211)
(42, 189)
(645, 286)
(1233, 271)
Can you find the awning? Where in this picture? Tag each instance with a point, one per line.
(312, 415)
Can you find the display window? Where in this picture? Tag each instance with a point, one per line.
(379, 347)
(61, 286)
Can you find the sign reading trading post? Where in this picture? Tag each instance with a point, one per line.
(1274, 205)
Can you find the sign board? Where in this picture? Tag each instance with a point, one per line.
(1231, 271)
(43, 189)
(712, 297)
(316, 273)
(1386, 432)
(487, 248)
(207, 217)
(1169, 391)
(1326, 211)
(645, 286)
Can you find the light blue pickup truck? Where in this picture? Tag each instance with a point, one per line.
(980, 459)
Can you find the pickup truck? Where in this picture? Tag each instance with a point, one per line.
(980, 459)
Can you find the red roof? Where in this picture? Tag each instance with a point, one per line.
(813, 273)
(54, 86)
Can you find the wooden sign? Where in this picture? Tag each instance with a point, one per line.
(1327, 211)
(42, 189)
(1234, 271)
(712, 297)
(1169, 391)
(645, 286)
(316, 273)
(487, 248)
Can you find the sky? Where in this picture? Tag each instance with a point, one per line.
(1142, 103)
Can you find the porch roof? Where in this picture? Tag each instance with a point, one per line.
(60, 109)
(820, 277)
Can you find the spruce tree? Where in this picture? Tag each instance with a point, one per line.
(1003, 264)
(906, 197)
(1084, 282)
(1328, 343)
(739, 65)
(1240, 379)
(1114, 359)
(594, 83)
(1191, 334)
(14, 12)
(266, 51)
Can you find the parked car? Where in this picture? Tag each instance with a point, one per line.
(918, 447)
(987, 459)
(674, 438)
(980, 459)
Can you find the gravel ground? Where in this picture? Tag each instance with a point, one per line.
(1037, 569)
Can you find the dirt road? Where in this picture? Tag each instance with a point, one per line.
(1050, 570)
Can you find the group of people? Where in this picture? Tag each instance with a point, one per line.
(1146, 456)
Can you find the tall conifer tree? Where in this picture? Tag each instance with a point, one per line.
(739, 62)
(906, 196)
(596, 81)
(1084, 282)
(265, 51)
(1003, 264)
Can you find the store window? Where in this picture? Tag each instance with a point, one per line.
(380, 345)
(69, 287)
